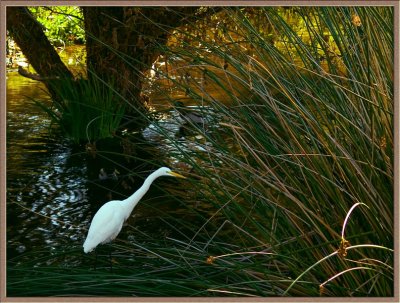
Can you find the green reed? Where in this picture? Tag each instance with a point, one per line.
(308, 134)
(86, 111)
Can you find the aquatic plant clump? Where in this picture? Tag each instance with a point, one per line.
(87, 111)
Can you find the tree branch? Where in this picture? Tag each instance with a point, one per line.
(28, 33)
(23, 72)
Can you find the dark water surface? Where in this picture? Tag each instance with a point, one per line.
(47, 204)
(54, 188)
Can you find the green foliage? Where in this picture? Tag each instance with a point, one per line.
(87, 111)
(63, 25)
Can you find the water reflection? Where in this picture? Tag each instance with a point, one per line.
(46, 190)
(53, 190)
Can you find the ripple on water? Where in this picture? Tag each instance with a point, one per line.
(47, 184)
(50, 189)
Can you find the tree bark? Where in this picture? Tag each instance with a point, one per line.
(29, 35)
(123, 42)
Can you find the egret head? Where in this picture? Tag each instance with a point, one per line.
(165, 171)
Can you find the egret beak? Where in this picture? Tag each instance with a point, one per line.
(174, 174)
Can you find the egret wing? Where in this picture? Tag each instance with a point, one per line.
(105, 226)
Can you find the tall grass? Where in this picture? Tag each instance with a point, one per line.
(308, 134)
(275, 200)
(87, 110)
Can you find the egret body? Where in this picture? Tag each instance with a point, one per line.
(108, 221)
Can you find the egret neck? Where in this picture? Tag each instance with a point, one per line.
(129, 203)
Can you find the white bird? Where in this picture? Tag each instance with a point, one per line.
(108, 221)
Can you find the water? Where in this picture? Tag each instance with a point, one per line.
(47, 205)
(54, 189)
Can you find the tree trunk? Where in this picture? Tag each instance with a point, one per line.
(29, 35)
(123, 42)
(114, 56)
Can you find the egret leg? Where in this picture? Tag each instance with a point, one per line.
(111, 268)
(107, 247)
(95, 260)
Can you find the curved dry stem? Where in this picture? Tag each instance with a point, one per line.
(327, 257)
(348, 215)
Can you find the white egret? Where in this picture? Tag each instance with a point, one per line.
(108, 221)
